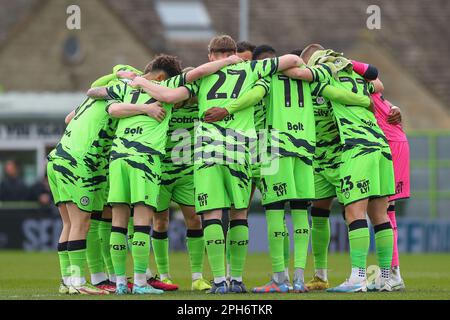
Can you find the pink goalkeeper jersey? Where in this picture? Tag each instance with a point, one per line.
(393, 132)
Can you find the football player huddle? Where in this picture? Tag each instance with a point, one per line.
(304, 128)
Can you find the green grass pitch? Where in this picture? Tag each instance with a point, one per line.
(26, 275)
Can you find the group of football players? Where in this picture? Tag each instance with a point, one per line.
(303, 128)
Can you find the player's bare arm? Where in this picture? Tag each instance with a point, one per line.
(99, 93)
(125, 110)
(123, 74)
(161, 93)
(299, 73)
(176, 95)
(378, 85)
(288, 61)
(69, 117)
(211, 67)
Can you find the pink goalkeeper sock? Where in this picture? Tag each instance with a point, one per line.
(391, 215)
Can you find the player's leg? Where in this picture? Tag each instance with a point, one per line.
(320, 240)
(383, 184)
(359, 239)
(144, 178)
(396, 277)
(195, 243)
(384, 238)
(143, 215)
(215, 248)
(238, 241)
(160, 240)
(63, 255)
(76, 247)
(299, 213)
(80, 202)
(210, 199)
(118, 245)
(275, 187)
(303, 173)
(400, 159)
(276, 239)
(119, 198)
(94, 251)
(238, 186)
(104, 231)
(160, 244)
(130, 230)
(359, 181)
(286, 251)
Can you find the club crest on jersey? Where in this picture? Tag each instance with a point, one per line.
(134, 131)
(320, 100)
(84, 201)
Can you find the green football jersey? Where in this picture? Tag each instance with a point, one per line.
(236, 132)
(140, 134)
(89, 133)
(328, 144)
(290, 118)
(259, 113)
(357, 125)
(180, 136)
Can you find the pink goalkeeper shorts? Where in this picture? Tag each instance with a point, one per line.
(400, 158)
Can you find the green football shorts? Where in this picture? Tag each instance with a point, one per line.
(365, 173)
(326, 178)
(52, 183)
(177, 185)
(221, 186)
(135, 180)
(292, 179)
(326, 183)
(75, 182)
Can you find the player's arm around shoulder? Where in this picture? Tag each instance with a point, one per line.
(97, 93)
(209, 68)
(345, 96)
(288, 61)
(126, 110)
(161, 92)
(247, 100)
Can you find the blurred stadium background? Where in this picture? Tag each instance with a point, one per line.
(46, 68)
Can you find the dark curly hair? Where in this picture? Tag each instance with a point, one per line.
(171, 65)
(259, 50)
